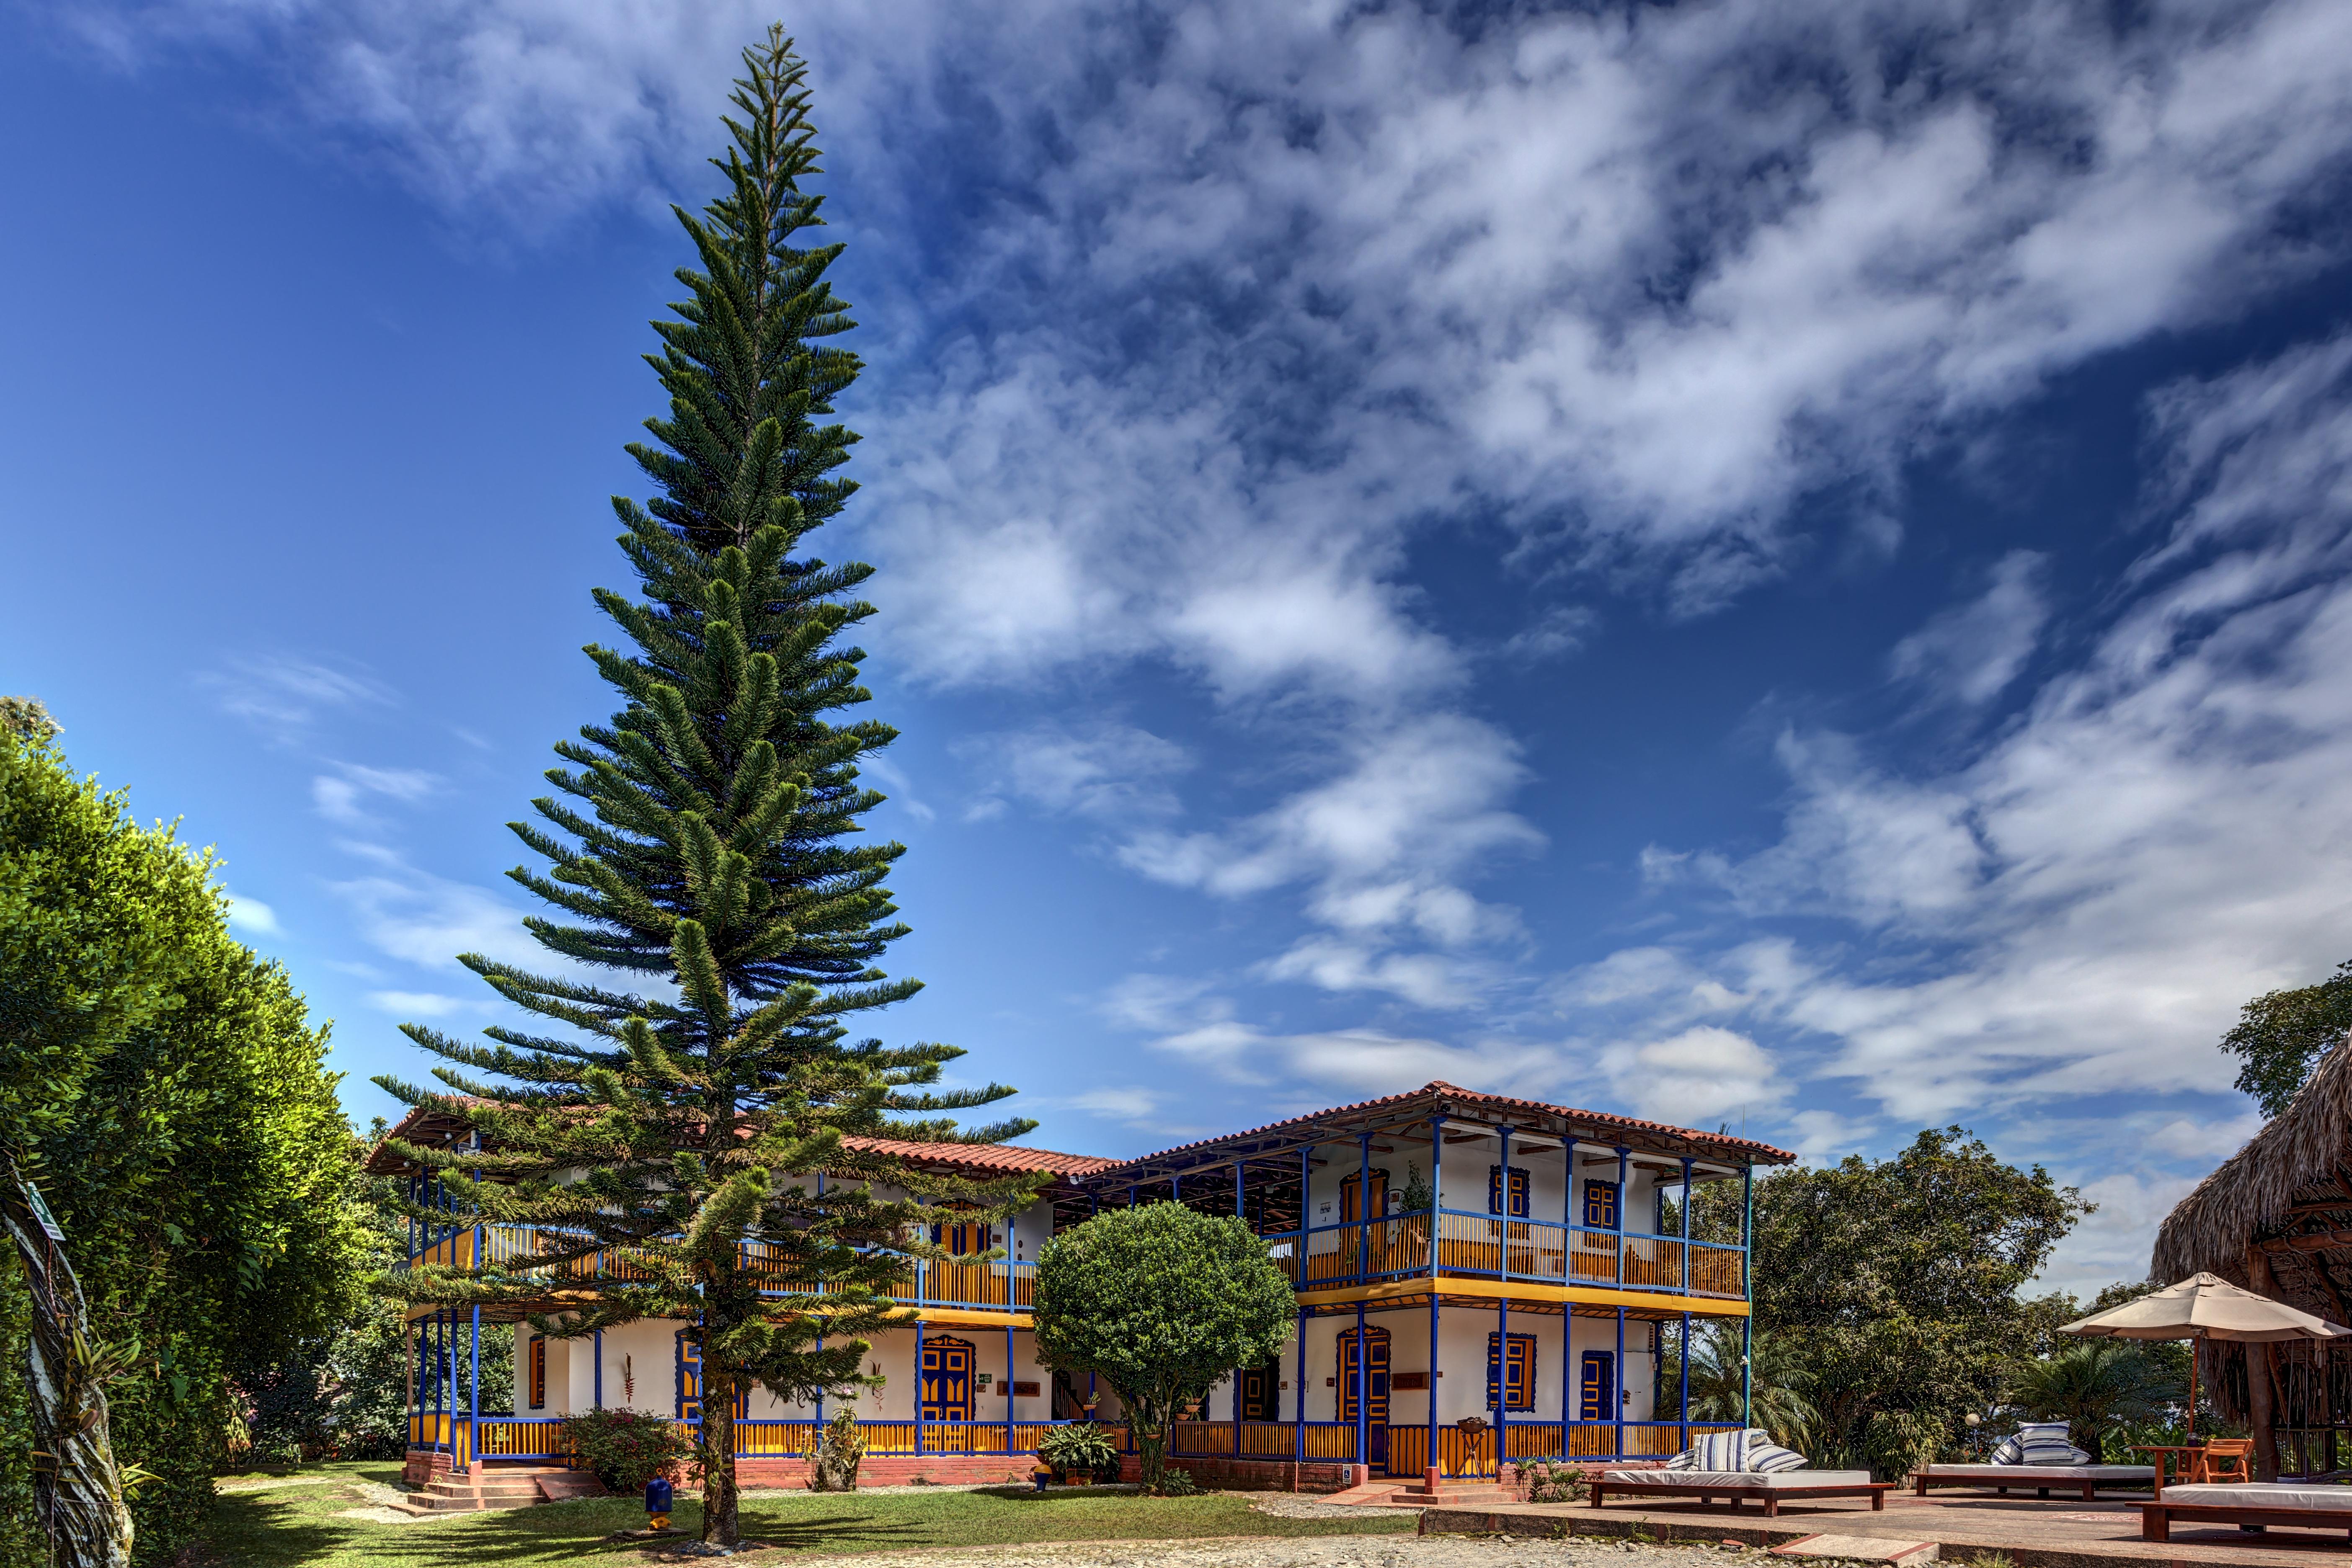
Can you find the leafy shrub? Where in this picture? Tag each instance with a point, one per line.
(1081, 1447)
(833, 1466)
(1178, 1483)
(626, 1448)
(1548, 1482)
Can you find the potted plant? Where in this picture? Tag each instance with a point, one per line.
(1081, 1452)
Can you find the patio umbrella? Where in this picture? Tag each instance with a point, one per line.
(2201, 1307)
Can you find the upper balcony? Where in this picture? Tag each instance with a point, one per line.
(1004, 1286)
(1483, 1247)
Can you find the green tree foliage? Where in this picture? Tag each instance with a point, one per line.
(1159, 1302)
(1720, 1387)
(167, 1093)
(1897, 1283)
(704, 856)
(2281, 1035)
(2094, 1385)
(343, 1394)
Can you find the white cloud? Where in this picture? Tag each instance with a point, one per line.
(2198, 1139)
(427, 1004)
(1128, 1103)
(2079, 905)
(1973, 652)
(1362, 1062)
(411, 914)
(1559, 632)
(1110, 772)
(1696, 1076)
(1824, 1137)
(1265, 289)
(281, 695)
(1413, 805)
(2114, 1243)
(253, 918)
(338, 795)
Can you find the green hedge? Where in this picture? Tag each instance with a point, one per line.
(165, 1089)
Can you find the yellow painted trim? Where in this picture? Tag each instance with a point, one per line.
(1526, 1291)
(965, 1319)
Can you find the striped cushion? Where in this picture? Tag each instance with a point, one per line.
(2010, 1451)
(1765, 1458)
(1680, 1461)
(2045, 1443)
(1719, 1451)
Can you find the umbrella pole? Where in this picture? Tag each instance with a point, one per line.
(2193, 1384)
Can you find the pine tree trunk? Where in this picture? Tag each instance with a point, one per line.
(721, 1525)
(76, 1490)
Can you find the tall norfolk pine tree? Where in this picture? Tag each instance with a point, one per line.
(705, 842)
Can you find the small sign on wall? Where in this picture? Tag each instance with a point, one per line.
(1406, 1382)
(1023, 1390)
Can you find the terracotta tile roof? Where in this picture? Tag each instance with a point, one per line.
(997, 1157)
(987, 1156)
(1437, 1089)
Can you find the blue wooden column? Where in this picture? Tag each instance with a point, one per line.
(1503, 1259)
(473, 1390)
(1298, 1426)
(1686, 1225)
(1431, 1468)
(600, 1369)
(1239, 1213)
(1363, 1388)
(1618, 1393)
(1502, 1346)
(1685, 1405)
(1747, 1279)
(1299, 1282)
(1621, 1195)
(1363, 1227)
(919, 1386)
(1009, 1423)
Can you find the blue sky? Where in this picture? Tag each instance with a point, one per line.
(1771, 562)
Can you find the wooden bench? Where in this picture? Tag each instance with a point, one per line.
(2155, 1518)
(2043, 1480)
(1770, 1492)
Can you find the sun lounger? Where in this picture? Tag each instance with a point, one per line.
(2250, 1505)
(1770, 1489)
(2042, 1478)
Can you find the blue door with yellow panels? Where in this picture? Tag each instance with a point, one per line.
(947, 1380)
(1596, 1386)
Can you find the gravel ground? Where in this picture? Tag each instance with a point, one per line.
(1303, 1505)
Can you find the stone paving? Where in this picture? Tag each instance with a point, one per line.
(2028, 1532)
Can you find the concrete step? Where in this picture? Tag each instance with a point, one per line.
(1457, 1492)
(567, 1484)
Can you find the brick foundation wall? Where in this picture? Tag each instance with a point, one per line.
(896, 1470)
(421, 1465)
(1254, 1475)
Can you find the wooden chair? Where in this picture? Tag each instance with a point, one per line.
(2224, 1460)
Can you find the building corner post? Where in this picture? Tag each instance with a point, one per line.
(474, 1389)
(1748, 1284)
(1363, 1391)
(1618, 1393)
(1432, 1469)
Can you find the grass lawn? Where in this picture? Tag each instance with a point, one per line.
(284, 1525)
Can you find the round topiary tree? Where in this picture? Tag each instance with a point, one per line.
(1159, 1302)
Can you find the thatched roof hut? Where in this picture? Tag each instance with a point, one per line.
(2276, 1217)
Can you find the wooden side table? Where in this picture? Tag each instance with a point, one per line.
(2184, 1467)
